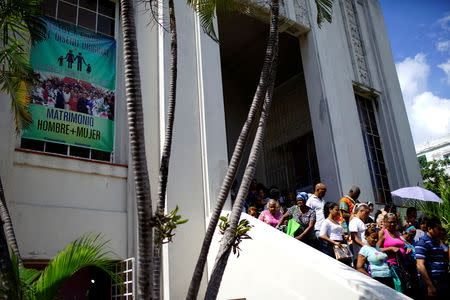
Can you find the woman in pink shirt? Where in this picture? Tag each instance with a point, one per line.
(272, 215)
(389, 240)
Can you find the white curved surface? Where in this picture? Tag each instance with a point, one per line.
(275, 266)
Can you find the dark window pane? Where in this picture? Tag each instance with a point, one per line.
(100, 155)
(79, 152)
(67, 12)
(372, 145)
(70, 1)
(380, 155)
(56, 148)
(86, 19)
(107, 7)
(49, 8)
(377, 143)
(32, 144)
(105, 25)
(385, 182)
(89, 4)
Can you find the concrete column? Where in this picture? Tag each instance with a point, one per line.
(329, 81)
(199, 158)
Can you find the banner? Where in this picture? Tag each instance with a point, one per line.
(74, 102)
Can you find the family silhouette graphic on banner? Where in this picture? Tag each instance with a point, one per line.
(71, 58)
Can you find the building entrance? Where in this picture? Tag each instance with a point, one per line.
(288, 159)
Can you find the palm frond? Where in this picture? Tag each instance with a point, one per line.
(17, 282)
(324, 11)
(13, 85)
(19, 20)
(207, 10)
(87, 251)
(19, 24)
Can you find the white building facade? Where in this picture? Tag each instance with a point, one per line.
(338, 118)
(435, 149)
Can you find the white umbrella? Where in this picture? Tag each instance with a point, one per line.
(418, 193)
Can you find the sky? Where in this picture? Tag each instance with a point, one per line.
(419, 33)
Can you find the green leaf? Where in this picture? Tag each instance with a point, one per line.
(27, 276)
(87, 251)
(324, 11)
(207, 9)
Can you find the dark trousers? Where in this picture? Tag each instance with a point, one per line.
(386, 281)
(442, 287)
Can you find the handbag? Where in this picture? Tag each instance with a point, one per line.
(293, 226)
(342, 252)
(397, 282)
(405, 277)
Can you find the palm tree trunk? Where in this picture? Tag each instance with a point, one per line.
(165, 157)
(237, 154)
(137, 149)
(6, 267)
(7, 225)
(229, 235)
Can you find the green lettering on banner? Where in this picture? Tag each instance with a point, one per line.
(45, 128)
(74, 102)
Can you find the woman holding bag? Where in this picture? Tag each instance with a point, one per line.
(304, 216)
(331, 231)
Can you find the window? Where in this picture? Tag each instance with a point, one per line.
(374, 152)
(95, 15)
(125, 270)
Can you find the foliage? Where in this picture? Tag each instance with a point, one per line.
(240, 234)
(166, 225)
(433, 172)
(324, 11)
(207, 10)
(19, 28)
(87, 251)
(433, 209)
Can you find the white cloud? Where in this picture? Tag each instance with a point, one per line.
(428, 114)
(413, 74)
(445, 22)
(446, 68)
(443, 46)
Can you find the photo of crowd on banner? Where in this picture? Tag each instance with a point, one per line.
(75, 95)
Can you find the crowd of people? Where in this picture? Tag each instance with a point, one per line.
(70, 94)
(410, 255)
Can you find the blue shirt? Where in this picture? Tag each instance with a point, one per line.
(431, 251)
(377, 261)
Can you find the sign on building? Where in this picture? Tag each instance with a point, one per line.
(74, 102)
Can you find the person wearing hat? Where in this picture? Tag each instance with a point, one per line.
(303, 215)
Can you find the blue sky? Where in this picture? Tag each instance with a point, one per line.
(419, 33)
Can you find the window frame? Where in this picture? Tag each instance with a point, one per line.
(379, 175)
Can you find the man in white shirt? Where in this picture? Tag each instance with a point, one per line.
(316, 202)
(357, 227)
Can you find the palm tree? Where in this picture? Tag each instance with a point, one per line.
(19, 24)
(229, 235)
(7, 226)
(166, 151)
(137, 149)
(324, 12)
(86, 251)
(236, 157)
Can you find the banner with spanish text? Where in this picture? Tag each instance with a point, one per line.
(74, 102)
